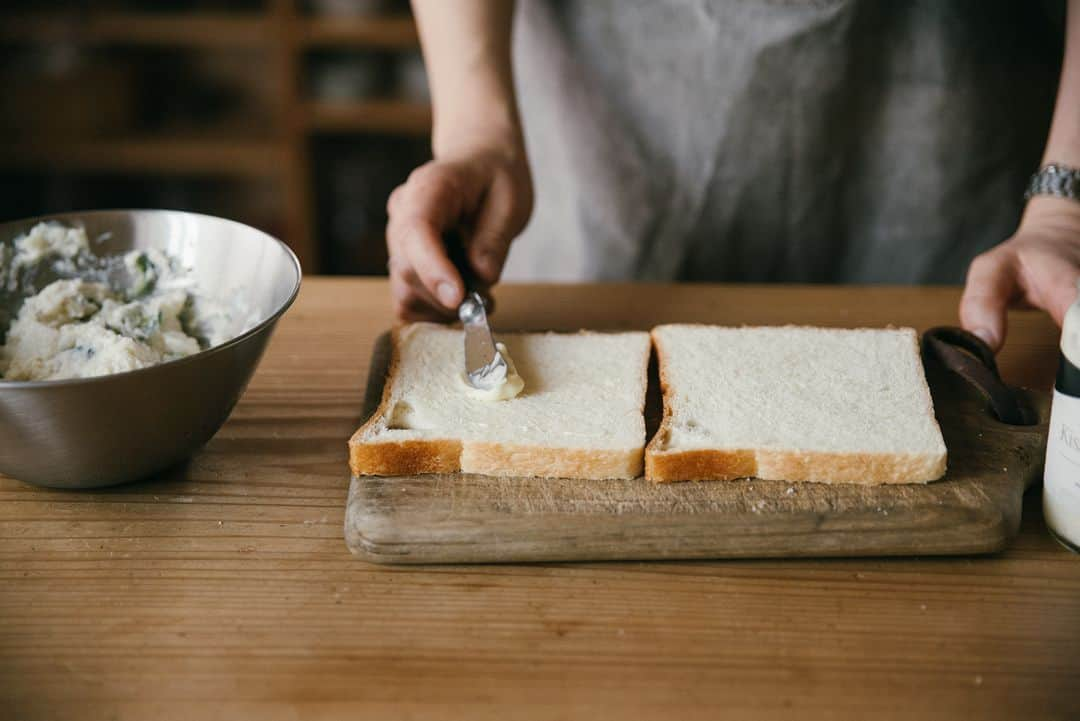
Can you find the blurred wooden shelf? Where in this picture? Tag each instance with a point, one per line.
(165, 156)
(221, 29)
(284, 33)
(380, 32)
(400, 117)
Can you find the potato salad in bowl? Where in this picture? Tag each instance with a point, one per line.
(95, 315)
(127, 337)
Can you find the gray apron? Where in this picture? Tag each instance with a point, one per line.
(778, 140)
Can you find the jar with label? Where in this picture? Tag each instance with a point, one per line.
(1061, 478)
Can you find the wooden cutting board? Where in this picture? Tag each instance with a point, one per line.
(463, 518)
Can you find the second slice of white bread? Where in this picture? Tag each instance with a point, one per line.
(581, 414)
(795, 404)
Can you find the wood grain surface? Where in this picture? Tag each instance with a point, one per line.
(466, 518)
(224, 589)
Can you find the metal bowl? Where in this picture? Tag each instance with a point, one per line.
(92, 432)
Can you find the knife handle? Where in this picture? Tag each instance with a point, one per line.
(968, 356)
(455, 250)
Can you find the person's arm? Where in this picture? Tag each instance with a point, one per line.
(479, 178)
(1040, 264)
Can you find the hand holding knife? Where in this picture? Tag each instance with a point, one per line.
(485, 366)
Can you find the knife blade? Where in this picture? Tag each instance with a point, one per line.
(485, 366)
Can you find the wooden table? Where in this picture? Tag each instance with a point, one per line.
(225, 590)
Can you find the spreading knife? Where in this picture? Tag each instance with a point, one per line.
(485, 366)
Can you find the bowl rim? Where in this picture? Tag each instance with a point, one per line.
(70, 216)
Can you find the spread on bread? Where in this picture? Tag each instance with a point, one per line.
(581, 416)
(510, 387)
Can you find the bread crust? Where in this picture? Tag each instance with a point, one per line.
(496, 459)
(404, 458)
(366, 458)
(699, 465)
(870, 469)
(449, 455)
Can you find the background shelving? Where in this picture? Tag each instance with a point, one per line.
(160, 101)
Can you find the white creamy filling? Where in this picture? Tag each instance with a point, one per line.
(76, 328)
(48, 241)
(511, 386)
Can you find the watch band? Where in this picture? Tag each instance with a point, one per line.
(1057, 180)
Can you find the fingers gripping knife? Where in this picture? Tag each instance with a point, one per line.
(485, 366)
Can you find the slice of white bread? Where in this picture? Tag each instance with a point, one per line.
(581, 414)
(794, 404)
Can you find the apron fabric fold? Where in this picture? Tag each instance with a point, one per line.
(778, 140)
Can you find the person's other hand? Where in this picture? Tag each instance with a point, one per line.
(1037, 267)
(487, 194)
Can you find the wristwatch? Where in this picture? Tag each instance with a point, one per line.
(1058, 180)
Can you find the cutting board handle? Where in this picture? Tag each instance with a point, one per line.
(968, 356)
